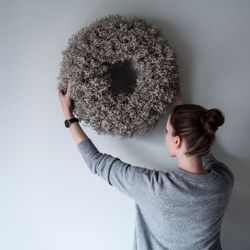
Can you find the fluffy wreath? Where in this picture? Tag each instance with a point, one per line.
(94, 58)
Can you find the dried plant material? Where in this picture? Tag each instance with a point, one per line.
(91, 55)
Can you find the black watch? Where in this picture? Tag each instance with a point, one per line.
(70, 121)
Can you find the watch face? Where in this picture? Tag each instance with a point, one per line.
(67, 123)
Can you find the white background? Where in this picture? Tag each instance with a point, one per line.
(49, 198)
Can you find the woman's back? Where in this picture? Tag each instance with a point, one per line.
(185, 210)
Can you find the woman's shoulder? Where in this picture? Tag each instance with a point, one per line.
(209, 162)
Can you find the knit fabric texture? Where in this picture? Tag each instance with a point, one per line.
(93, 62)
(176, 210)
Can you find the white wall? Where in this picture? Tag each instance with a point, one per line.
(49, 198)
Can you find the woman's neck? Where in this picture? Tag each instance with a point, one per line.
(192, 164)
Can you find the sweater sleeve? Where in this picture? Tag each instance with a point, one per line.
(210, 162)
(134, 181)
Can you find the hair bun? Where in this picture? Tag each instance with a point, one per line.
(214, 119)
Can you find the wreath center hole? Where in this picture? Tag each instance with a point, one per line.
(123, 78)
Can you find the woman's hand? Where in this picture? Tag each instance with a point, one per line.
(66, 103)
(178, 100)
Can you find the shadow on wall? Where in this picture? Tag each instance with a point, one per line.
(237, 215)
(239, 206)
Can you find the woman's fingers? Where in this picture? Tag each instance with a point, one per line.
(69, 88)
(61, 93)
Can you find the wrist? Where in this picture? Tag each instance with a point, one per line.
(68, 115)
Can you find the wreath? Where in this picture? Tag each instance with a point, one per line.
(123, 75)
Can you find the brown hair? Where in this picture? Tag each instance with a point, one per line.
(196, 125)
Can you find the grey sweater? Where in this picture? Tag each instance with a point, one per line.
(174, 210)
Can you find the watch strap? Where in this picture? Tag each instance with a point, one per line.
(71, 120)
(68, 122)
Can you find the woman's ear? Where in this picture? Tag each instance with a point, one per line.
(177, 141)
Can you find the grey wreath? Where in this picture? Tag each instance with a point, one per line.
(123, 75)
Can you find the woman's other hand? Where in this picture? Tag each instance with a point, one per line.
(177, 101)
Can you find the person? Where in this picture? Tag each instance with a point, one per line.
(181, 209)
